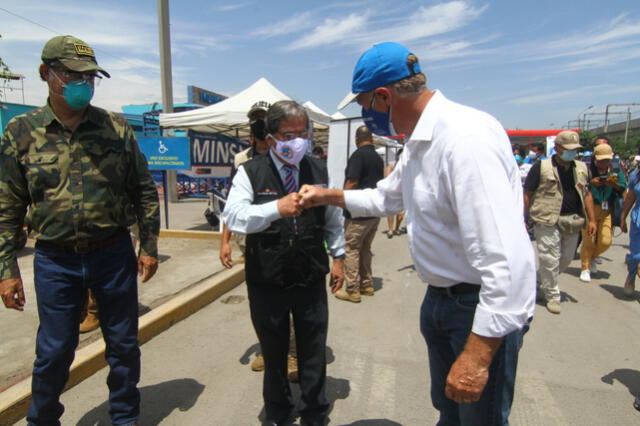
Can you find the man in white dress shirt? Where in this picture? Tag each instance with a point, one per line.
(460, 187)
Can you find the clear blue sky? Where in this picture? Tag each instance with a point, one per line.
(529, 63)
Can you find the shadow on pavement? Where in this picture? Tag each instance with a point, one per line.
(374, 422)
(156, 402)
(143, 309)
(251, 350)
(617, 291)
(626, 376)
(329, 355)
(202, 227)
(377, 283)
(601, 275)
(566, 297)
(26, 251)
(335, 389)
(573, 271)
(410, 267)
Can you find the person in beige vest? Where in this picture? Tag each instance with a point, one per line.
(558, 199)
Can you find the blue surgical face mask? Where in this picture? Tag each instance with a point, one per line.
(569, 155)
(77, 94)
(378, 123)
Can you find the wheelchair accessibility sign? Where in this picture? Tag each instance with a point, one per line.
(166, 153)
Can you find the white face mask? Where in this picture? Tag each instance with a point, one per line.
(291, 151)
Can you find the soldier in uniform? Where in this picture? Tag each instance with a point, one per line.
(79, 170)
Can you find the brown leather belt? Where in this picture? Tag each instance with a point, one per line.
(462, 288)
(83, 247)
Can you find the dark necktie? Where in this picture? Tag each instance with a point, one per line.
(290, 184)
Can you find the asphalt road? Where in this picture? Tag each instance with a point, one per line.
(182, 263)
(578, 368)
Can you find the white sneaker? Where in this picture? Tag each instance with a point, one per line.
(593, 267)
(585, 276)
(598, 260)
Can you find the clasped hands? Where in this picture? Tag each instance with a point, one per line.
(294, 203)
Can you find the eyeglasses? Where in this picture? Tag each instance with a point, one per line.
(68, 75)
(289, 136)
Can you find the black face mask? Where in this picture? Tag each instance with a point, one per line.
(259, 129)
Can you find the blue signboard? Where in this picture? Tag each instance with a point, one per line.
(166, 153)
(214, 149)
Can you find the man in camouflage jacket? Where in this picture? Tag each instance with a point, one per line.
(80, 173)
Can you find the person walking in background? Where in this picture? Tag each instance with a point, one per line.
(364, 169)
(394, 222)
(80, 172)
(558, 200)
(606, 185)
(632, 206)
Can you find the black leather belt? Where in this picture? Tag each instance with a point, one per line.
(462, 288)
(83, 247)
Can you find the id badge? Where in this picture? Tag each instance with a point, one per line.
(605, 205)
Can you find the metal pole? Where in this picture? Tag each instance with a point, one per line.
(606, 118)
(166, 199)
(348, 139)
(626, 129)
(583, 111)
(167, 88)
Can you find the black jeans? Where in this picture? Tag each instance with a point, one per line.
(270, 307)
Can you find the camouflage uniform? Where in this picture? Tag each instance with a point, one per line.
(80, 187)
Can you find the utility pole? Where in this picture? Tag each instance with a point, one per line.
(583, 111)
(167, 87)
(606, 114)
(626, 128)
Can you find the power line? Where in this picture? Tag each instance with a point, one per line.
(59, 33)
(29, 20)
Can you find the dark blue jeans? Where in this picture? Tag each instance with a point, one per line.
(61, 282)
(445, 322)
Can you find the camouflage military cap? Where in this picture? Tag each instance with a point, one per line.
(73, 53)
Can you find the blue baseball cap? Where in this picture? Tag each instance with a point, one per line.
(383, 64)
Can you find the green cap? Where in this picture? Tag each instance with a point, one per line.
(73, 53)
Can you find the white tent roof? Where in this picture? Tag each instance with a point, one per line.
(231, 114)
(316, 114)
(338, 116)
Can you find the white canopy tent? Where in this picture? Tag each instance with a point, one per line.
(230, 115)
(342, 143)
(316, 114)
(338, 116)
